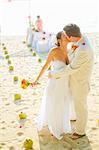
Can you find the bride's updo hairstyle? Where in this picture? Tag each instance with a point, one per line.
(58, 37)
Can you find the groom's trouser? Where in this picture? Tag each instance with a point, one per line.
(80, 103)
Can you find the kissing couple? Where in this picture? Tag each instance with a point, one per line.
(68, 85)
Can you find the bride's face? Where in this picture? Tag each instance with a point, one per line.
(67, 37)
(64, 40)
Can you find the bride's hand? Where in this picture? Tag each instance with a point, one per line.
(34, 83)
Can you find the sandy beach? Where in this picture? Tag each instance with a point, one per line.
(13, 131)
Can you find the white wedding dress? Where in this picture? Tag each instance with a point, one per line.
(56, 104)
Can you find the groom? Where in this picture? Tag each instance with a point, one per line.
(79, 70)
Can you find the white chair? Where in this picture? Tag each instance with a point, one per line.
(42, 46)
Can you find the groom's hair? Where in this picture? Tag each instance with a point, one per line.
(72, 30)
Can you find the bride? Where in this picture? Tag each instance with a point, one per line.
(56, 106)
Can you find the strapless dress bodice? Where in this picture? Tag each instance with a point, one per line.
(57, 65)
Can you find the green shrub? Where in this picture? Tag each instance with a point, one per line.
(15, 78)
(9, 61)
(17, 97)
(7, 57)
(11, 68)
(39, 60)
(34, 54)
(6, 52)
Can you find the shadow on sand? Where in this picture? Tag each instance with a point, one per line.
(49, 142)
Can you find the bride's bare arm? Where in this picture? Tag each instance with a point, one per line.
(46, 65)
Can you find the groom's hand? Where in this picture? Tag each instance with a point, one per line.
(50, 75)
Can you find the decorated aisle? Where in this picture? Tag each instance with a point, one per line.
(19, 107)
(14, 99)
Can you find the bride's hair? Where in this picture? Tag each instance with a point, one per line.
(58, 37)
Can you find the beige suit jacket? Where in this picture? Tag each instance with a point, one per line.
(80, 67)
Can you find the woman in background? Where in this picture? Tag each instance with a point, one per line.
(39, 24)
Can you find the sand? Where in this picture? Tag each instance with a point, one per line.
(14, 132)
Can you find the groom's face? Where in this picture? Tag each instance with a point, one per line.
(67, 37)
